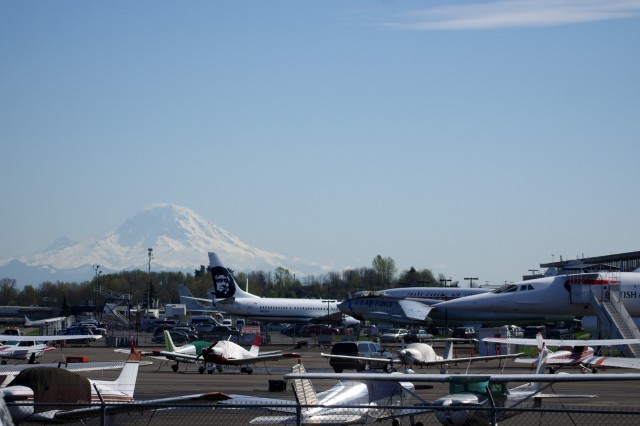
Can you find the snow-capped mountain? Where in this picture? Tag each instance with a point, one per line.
(180, 240)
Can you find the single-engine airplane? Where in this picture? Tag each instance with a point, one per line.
(225, 352)
(422, 355)
(31, 347)
(472, 397)
(573, 352)
(46, 386)
(370, 401)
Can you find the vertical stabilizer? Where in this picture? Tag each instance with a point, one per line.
(448, 350)
(126, 382)
(168, 342)
(303, 388)
(224, 285)
(255, 347)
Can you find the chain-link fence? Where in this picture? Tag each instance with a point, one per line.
(231, 413)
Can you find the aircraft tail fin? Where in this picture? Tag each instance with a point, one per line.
(126, 382)
(255, 347)
(448, 350)
(168, 342)
(303, 388)
(542, 358)
(224, 285)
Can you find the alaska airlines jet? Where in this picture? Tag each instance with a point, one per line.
(555, 295)
(229, 297)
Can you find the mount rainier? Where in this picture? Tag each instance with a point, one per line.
(180, 239)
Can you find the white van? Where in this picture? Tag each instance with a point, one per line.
(227, 322)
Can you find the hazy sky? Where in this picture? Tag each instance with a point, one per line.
(471, 138)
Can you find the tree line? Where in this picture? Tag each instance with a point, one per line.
(163, 286)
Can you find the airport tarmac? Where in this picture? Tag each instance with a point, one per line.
(157, 381)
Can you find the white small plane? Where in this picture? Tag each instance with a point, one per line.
(372, 401)
(573, 352)
(36, 323)
(47, 385)
(31, 347)
(422, 355)
(229, 297)
(175, 353)
(472, 396)
(225, 352)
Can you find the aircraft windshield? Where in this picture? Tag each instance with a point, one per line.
(507, 288)
(476, 384)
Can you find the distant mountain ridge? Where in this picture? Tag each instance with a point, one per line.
(179, 237)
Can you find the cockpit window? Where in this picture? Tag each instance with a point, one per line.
(507, 288)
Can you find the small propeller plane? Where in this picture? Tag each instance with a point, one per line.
(372, 401)
(472, 397)
(45, 386)
(222, 353)
(175, 353)
(31, 347)
(573, 352)
(422, 354)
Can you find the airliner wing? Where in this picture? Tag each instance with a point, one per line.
(413, 310)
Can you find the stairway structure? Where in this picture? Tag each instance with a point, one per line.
(113, 300)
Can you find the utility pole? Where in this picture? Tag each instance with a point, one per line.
(149, 283)
(471, 279)
(444, 281)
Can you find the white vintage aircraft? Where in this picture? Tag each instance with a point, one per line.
(223, 353)
(573, 352)
(46, 385)
(422, 355)
(31, 347)
(472, 396)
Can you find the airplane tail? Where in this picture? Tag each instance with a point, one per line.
(223, 283)
(448, 350)
(168, 342)
(255, 347)
(303, 388)
(126, 381)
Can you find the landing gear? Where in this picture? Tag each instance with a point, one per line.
(174, 367)
(247, 370)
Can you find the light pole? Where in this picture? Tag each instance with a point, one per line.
(471, 279)
(149, 283)
(96, 268)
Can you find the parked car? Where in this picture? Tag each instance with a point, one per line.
(361, 348)
(178, 337)
(440, 331)
(531, 331)
(319, 329)
(417, 336)
(393, 335)
(464, 333)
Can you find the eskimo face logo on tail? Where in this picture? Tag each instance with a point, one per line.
(222, 282)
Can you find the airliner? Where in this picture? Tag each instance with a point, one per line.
(414, 305)
(227, 296)
(555, 295)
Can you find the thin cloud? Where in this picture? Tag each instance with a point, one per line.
(515, 14)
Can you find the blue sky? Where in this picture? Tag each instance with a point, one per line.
(471, 138)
